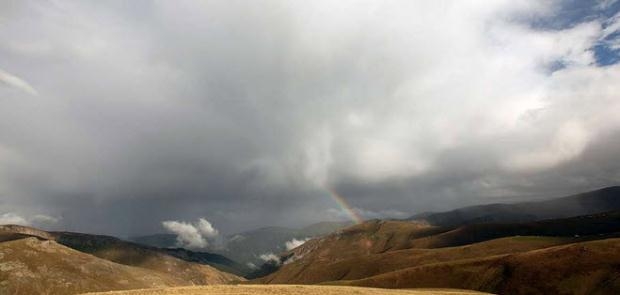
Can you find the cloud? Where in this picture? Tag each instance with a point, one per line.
(270, 258)
(246, 112)
(294, 243)
(192, 236)
(44, 220)
(12, 218)
(38, 220)
(16, 82)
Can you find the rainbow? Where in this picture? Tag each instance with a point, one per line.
(352, 213)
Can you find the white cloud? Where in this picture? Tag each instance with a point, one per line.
(294, 243)
(568, 142)
(206, 229)
(12, 218)
(44, 220)
(192, 236)
(270, 257)
(39, 220)
(16, 82)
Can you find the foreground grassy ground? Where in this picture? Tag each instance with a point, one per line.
(285, 290)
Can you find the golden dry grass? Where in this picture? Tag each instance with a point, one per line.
(286, 290)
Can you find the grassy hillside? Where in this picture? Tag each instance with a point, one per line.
(286, 290)
(129, 253)
(162, 260)
(396, 254)
(579, 268)
(35, 262)
(34, 266)
(382, 246)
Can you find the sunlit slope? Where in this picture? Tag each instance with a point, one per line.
(34, 262)
(286, 290)
(579, 268)
(127, 253)
(34, 266)
(397, 254)
(378, 247)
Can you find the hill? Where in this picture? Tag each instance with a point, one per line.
(606, 199)
(33, 266)
(579, 268)
(128, 253)
(286, 290)
(383, 253)
(34, 261)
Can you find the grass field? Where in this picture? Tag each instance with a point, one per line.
(285, 290)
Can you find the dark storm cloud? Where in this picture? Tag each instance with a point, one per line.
(245, 113)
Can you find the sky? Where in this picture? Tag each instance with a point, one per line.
(120, 117)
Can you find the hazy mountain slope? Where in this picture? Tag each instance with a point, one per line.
(580, 268)
(34, 266)
(606, 199)
(246, 247)
(156, 240)
(163, 260)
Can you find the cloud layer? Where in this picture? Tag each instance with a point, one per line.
(248, 112)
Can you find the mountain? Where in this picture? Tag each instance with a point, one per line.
(156, 240)
(486, 257)
(210, 268)
(247, 247)
(36, 262)
(606, 199)
(578, 268)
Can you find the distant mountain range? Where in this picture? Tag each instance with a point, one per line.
(601, 200)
